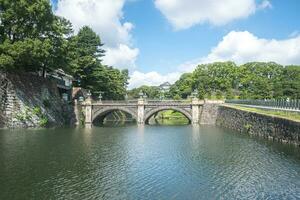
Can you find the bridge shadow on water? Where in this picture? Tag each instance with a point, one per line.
(119, 118)
(168, 118)
(115, 118)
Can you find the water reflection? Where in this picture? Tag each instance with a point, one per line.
(87, 135)
(169, 118)
(114, 118)
(145, 162)
(141, 132)
(196, 134)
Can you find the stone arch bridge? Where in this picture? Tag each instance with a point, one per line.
(197, 111)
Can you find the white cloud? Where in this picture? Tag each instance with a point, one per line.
(294, 34)
(121, 57)
(265, 4)
(152, 78)
(242, 47)
(189, 66)
(104, 16)
(183, 14)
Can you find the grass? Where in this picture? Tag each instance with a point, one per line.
(295, 116)
(171, 114)
(170, 117)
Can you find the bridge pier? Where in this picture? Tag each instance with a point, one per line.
(141, 111)
(88, 112)
(195, 111)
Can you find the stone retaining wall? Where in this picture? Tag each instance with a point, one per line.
(209, 113)
(273, 128)
(27, 100)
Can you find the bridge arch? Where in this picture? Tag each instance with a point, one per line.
(183, 111)
(106, 110)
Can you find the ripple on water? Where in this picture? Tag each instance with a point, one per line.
(145, 163)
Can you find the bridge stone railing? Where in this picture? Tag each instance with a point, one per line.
(131, 102)
(168, 102)
(146, 102)
(142, 108)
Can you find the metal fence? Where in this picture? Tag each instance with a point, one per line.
(167, 101)
(146, 101)
(293, 104)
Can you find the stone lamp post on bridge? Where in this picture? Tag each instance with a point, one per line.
(141, 94)
(88, 109)
(195, 94)
(100, 97)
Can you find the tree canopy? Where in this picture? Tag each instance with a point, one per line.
(152, 92)
(253, 80)
(87, 68)
(33, 39)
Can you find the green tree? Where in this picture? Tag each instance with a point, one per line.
(111, 82)
(86, 54)
(32, 38)
(290, 82)
(253, 80)
(259, 80)
(215, 78)
(152, 92)
(183, 87)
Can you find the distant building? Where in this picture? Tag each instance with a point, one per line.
(64, 83)
(165, 87)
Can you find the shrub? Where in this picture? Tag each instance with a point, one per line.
(37, 111)
(43, 121)
(219, 94)
(177, 97)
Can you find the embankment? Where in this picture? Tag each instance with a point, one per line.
(29, 101)
(270, 127)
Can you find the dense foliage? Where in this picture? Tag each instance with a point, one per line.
(254, 80)
(152, 92)
(86, 66)
(183, 87)
(33, 39)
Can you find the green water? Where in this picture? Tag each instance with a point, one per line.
(169, 118)
(145, 162)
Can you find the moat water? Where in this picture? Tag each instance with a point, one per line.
(149, 162)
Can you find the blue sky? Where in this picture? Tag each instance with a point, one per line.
(157, 40)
